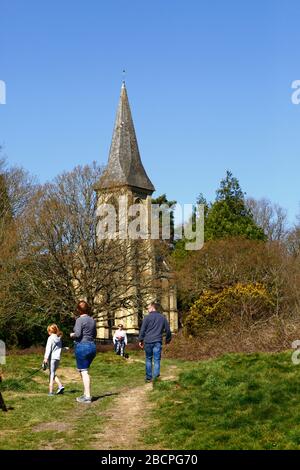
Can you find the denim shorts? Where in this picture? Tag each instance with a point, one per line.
(85, 352)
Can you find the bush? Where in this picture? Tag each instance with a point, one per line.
(250, 302)
(221, 264)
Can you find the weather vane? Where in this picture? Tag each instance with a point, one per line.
(123, 75)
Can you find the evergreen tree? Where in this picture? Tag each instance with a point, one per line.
(163, 200)
(228, 216)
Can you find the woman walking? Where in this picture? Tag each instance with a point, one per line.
(85, 348)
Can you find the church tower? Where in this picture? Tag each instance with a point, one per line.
(125, 176)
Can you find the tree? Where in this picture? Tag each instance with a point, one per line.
(61, 259)
(271, 218)
(293, 239)
(169, 210)
(5, 205)
(228, 216)
(16, 188)
(5, 211)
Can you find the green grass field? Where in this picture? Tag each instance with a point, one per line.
(40, 422)
(234, 402)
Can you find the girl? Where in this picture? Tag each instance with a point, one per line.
(52, 357)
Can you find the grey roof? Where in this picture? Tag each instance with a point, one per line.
(124, 167)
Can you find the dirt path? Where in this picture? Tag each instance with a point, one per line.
(125, 421)
(129, 418)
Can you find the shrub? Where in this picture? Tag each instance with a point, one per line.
(249, 302)
(223, 263)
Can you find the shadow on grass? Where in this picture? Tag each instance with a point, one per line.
(8, 408)
(103, 396)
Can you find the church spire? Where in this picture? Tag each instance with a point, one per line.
(124, 167)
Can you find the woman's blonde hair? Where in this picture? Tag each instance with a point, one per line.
(54, 329)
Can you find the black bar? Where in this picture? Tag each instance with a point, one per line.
(143, 458)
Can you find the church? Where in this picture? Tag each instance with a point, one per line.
(125, 175)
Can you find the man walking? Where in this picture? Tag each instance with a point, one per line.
(150, 339)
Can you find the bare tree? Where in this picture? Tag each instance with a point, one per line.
(293, 238)
(272, 218)
(16, 189)
(62, 260)
(17, 186)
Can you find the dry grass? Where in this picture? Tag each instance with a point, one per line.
(273, 335)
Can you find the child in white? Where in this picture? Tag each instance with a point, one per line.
(52, 357)
(120, 340)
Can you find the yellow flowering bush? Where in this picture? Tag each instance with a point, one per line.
(249, 302)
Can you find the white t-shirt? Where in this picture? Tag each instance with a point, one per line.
(120, 334)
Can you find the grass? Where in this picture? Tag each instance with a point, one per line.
(37, 421)
(235, 402)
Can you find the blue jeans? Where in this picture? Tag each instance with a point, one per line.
(119, 347)
(153, 350)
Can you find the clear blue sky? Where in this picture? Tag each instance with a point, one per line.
(209, 82)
